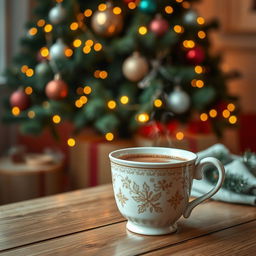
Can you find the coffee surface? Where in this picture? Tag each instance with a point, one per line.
(151, 158)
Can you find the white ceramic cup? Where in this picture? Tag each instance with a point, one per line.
(152, 196)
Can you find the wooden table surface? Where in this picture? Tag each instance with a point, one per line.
(87, 222)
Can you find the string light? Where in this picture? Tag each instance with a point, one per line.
(88, 13)
(179, 135)
(87, 89)
(96, 73)
(83, 99)
(193, 83)
(80, 90)
(77, 43)
(68, 52)
(28, 90)
(232, 119)
(204, 117)
(201, 34)
(168, 9)
(40, 23)
(158, 103)
(200, 20)
(15, 111)
(74, 26)
(186, 5)
(48, 28)
(143, 117)
(199, 83)
(71, 142)
(24, 68)
(124, 99)
(179, 1)
(117, 10)
(56, 119)
(31, 114)
(102, 7)
(29, 72)
(78, 103)
(89, 43)
(225, 113)
(103, 74)
(86, 49)
(213, 113)
(188, 43)
(132, 5)
(109, 136)
(231, 107)
(111, 104)
(198, 69)
(32, 31)
(142, 30)
(44, 52)
(178, 29)
(97, 47)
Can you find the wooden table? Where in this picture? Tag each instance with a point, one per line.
(87, 222)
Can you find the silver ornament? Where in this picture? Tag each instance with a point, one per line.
(42, 68)
(179, 101)
(57, 14)
(57, 50)
(190, 17)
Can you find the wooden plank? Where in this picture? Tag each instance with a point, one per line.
(114, 239)
(36, 220)
(239, 240)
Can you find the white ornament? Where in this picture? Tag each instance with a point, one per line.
(179, 101)
(57, 50)
(57, 14)
(190, 17)
(42, 68)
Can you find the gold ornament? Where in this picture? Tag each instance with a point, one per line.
(135, 67)
(107, 22)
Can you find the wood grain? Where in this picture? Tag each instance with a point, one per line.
(239, 240)
(40, 219)
(114, 239)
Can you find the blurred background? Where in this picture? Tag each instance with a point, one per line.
(82, 78)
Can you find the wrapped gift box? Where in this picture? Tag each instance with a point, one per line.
(89, 162)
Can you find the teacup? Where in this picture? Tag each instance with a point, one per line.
(152, 186)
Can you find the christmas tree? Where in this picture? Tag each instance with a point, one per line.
(114, 66)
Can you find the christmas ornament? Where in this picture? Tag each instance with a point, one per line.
(195, 55)
(179, 101)
(56, 89)
(148, 6)
(57, 14)
(107, 23)
(159, 25)
(129, 1)
(135, 67)
(42, 68)
(20, 99)
(190, 17)
(57, 50)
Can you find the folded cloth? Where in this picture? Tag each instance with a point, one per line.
(201, 187)
(234, 166)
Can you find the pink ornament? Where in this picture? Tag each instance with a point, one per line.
(195, 55)
(159, 26)
(20, 99)
(56, 89)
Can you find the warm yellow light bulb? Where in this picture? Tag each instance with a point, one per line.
(44, 52)
(15, 111)
(117, 10)
(231, 107)
(40, 23)
(178, 29)
(226, 113)
(199, 83)
(28, 90)
(97, 73)
(89, 43)
(179, 135)
(193, 83)
(124, 99)
(71, 142)
(83, 99)
(111, 104)
(213, 113)
(78, 103)
(103, 74)
(68, 52)
(48, 28)
(29, 72)
(204, 117)
(142, 30)
(87, 89)
(88, 13)
(158, 103)
(132, 5)
(24, 68)
(143, 117)
(97, 47)
(74, 26)
(109, 136)
(198, 69)
(56, 119)
(168, 9)
(77, 43)
(179, 1)
(31, 114)
(188, 43)
(102, 7)
(232, 119)
(32, 31)
(201, 34)
(200, 20)
(86, 49)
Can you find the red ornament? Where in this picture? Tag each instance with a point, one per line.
(151, 130)
(196, 55)
(129, 1)
(56, 89)
(20, 99)
(159, 26)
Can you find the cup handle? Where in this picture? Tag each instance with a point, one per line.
(198, 175)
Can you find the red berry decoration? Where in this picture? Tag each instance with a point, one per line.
(159, 25)
(20, 99)
(196, 55)
(56, 89)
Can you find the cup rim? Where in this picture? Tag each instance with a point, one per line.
(190, 156)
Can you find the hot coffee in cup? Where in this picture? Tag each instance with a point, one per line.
(152, 186)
